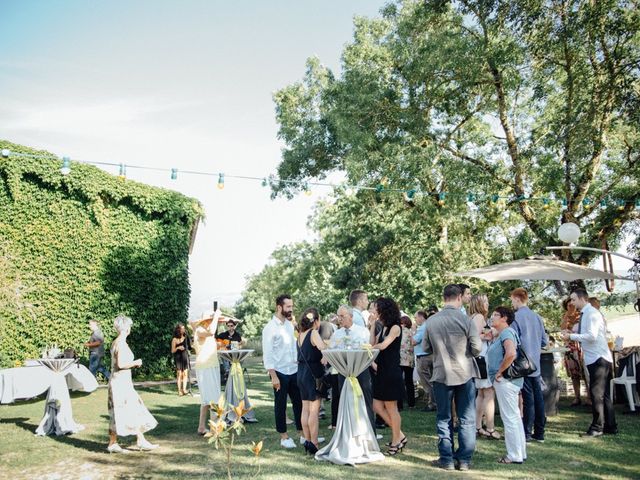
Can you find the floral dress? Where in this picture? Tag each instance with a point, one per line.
(407, 358)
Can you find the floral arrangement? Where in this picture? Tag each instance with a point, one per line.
(51, 351)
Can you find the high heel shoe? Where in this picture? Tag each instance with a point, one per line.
(402, 443)
(394, 449)
(310, 448)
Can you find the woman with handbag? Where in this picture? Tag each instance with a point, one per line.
(310, 375)
(500, 362)
(485, 401)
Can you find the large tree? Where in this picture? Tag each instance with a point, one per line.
(533, 103)
(498, 120)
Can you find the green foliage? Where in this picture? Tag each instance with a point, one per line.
(89, 245)
(523, 98)
(529, 98)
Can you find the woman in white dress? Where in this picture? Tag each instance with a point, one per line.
(485, 401)
(127, 413)
(207, 366)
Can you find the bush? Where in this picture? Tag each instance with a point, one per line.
(89, 245)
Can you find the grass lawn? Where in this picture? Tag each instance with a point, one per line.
(183, 454)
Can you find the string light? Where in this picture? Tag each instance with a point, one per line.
(383, 186)
(66, 166)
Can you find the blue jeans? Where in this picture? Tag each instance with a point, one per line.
(95, 366)
(534, 417)
(465, 397)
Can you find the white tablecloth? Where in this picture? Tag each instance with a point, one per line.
(354, 440)
(236, 389)
(28, 382)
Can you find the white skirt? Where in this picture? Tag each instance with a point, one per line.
(209, 384)
(482, 383)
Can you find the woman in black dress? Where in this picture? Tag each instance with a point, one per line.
(180, 346)
(388, 385)
(309, 369)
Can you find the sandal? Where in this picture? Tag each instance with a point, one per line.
(507, 461)
(492, 435)
(394, 449)
(402, 443)
(481, 432)
(575, 403)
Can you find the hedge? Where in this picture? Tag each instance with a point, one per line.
(89, 245)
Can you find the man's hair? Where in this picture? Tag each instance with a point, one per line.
(230, 322)
(595, 302)
(93, 320)
(581, 293)
(521, 294)
(347, 308)
(355, 295)
(422, 313)
(451, 292)
(463, 287)
(506, 312)
(281, 298)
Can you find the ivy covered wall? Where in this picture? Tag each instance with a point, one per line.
(89, 245)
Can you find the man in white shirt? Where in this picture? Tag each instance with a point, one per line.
(359, 301)
(592, 335)
(280, 359)
(358, 335)
(466, 296)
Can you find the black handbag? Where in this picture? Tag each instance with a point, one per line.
(481, 362)
(522, 366)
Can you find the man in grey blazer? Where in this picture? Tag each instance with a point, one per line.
(454, 341)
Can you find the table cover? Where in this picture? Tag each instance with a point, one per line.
(354, 440)
(236, 389)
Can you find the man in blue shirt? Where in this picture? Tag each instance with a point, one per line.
(530, 329)
(424, 362)
(359, 301)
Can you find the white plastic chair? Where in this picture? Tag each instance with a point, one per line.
(628, 379)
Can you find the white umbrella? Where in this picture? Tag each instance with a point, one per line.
(538, 268)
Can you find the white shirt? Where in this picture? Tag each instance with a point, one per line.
(593, 336)
(357, 333)
(279, 347)
(358, 318)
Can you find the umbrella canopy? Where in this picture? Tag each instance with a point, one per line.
(538, 268)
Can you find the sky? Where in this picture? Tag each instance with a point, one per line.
(175, 84)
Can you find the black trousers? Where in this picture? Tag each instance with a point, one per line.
(335, 397)
(604, 417)
(364, 379)
(409, 387)
(288, 388)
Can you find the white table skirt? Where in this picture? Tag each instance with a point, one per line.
(354, 440)
(28, 382)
